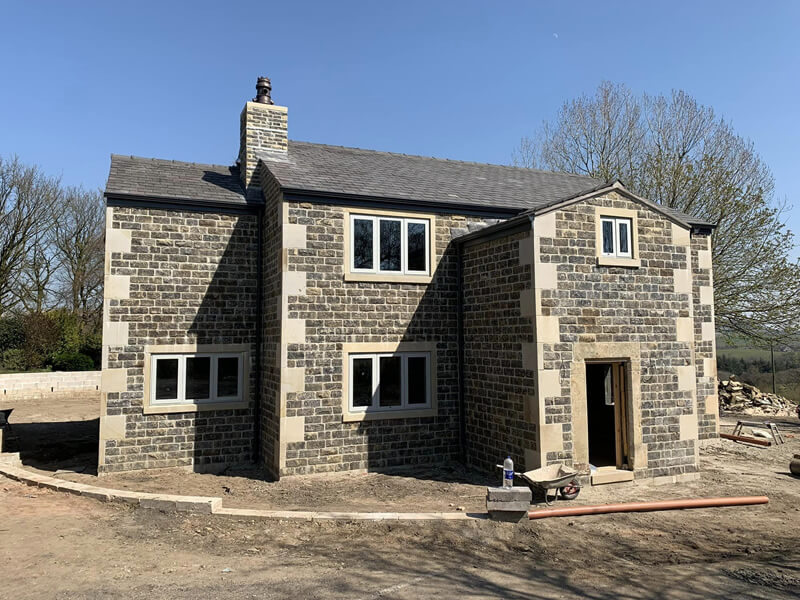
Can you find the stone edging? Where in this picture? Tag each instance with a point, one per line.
(12, 468)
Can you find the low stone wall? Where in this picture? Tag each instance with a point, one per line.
(29, 386)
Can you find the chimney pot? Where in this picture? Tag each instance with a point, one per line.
(263, 91)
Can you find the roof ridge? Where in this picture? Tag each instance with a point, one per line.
(172, 161)
(445, 160)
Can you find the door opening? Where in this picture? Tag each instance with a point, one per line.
(606, 399)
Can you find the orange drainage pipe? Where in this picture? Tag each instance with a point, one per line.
(600, 509)
(744, 438)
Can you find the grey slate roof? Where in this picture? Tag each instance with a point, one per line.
(322, 168)
(167, 179)
(336, 170)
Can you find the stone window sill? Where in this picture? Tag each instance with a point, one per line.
(613, 261)
(355, 417)
(158, 409)
(384, 278)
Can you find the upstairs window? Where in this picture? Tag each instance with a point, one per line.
(389, 245)
(616, 237)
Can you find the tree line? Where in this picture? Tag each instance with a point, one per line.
(51, 271)
(681, 154)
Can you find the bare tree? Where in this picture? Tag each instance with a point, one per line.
(34, 291)
(78, 242)
(27, 200)
(679, 153)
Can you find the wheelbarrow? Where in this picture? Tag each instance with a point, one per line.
(558, 477)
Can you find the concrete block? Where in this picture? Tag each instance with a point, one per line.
(159, 502)
(292, 429)
(509, 516)
(687, 377)
(546, 277)
(198, 504)
(9, 459)
(682, 279)
(611, 476)
(112, 427)
(548, 330)
(515, 494)
(685, 329)
(544, 226)
(704, 259)
(97, 494)
(706, 294)
(118, 287)
(294, 235)
(517, 506)
(71, 487)
(680, 235)
(127, 497)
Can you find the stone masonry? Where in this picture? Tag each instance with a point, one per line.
(323, 312)
(499, 378)
(173, 277)
(613, 305)
(183, 274)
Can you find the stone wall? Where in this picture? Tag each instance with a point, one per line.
(322, 312)
(29, 386)
(174, 277)
(499, 383)
(272, 357)
(643, 315)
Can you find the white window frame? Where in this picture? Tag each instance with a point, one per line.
(615, 223)
(404, 222)
(213, 379)
(376, 401)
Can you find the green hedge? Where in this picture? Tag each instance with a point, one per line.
(72, 361)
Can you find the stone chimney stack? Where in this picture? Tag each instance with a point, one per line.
(263, 129)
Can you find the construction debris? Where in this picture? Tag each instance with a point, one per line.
(740, 397)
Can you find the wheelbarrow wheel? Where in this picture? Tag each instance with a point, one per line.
(569, 492)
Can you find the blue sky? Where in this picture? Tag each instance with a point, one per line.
(462, 80)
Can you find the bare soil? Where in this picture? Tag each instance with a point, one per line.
(58, 546)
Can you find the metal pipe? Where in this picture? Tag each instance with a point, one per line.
(600, 509)
(744, 438)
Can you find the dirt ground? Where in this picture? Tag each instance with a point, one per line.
(58, 546)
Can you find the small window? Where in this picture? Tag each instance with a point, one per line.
(389, 382)
(616, 236)
(195, 378)
(389, 245)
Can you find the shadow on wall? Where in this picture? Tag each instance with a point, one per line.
(367, 312)
(221, 273)
(198, 286)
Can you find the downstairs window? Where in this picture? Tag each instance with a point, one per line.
(389, 381)
(196, 378)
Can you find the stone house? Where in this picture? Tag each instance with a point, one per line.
(317, 308)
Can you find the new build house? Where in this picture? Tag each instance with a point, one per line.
(317, 308)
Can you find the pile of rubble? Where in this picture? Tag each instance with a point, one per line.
(740, 397)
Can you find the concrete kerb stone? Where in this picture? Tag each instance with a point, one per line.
(213, 505)
(200, 504)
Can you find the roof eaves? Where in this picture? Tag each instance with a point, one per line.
(523, 220)
(364, 199)
(156, 201)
